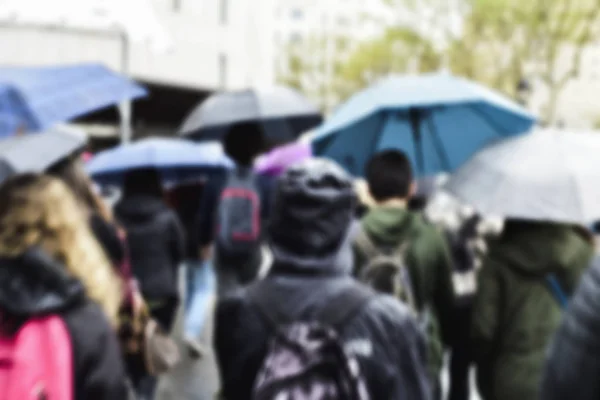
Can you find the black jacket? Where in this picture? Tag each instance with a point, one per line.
(573, 365)
(34, 285)
(310, 220)
(156, 244)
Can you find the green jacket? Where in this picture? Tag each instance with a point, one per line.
(516, 313)
(429, 263)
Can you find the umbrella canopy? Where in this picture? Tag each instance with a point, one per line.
(438, 120)
(280, 158)
(36, 153)
(176, 159)
(35, 98)
(544, 176)
(284, 114)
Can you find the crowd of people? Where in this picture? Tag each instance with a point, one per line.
(362, 299)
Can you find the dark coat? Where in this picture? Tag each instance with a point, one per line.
(573, 363)
(515, 312)
(30, 287)
(313, 262)
(156, 244)
(429, 264)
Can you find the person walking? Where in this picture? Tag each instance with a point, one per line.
(156, 244)
(390, 229)
(234, 209)
(99, 215)
(526, 276)
(59, 298)
(573, 363)
(310, 280)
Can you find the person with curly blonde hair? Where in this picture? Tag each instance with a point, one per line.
(51, 264)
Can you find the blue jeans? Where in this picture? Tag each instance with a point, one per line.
(200, 288)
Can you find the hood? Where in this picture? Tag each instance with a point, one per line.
(539, 249)
(310, 220)
(34, 284)
(390, 224)
(139, 208)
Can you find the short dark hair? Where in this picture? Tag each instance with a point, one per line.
(142, 181)
(244, 142)
(389, 175)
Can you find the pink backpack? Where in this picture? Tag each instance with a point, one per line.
(37, 362)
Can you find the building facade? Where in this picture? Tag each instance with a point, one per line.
(215, 44)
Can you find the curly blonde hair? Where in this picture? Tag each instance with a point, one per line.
(37, 210)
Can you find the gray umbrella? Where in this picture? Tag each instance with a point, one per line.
(543, 176)
(283, 113)
(37, 151)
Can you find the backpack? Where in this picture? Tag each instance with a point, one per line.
(239, 217)
(386, 271)
(306, 360)
(36, 363)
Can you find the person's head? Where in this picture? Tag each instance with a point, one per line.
(143, 182)
(244, 142)
(72, 173)
(314, 206)
(390, 177)
(41, 211)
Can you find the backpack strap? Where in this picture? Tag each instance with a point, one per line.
(345, 305)
(337, 312)
(556, 289)
(365, 244)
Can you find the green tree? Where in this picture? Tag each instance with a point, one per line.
(397, 50)
(501, 42)
(504, 41)
(313, 66)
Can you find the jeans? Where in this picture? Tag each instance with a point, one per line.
(200, 287)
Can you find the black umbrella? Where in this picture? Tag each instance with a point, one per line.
(283, 113)
(37, 152)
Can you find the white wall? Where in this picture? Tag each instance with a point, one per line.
(200, 40)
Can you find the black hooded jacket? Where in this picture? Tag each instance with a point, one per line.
(34, 285)
(312, 265)
(156, 243)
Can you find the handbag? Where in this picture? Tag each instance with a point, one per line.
(160, 352)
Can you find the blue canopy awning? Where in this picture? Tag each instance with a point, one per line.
(35, 98)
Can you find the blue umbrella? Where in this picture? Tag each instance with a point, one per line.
(438, 120)
(175, 159)
(35, 98)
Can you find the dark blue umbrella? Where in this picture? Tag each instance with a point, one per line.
(438, 120)
(176, 160)
(35, 98)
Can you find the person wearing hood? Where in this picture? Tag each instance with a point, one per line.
(156, 244)
(312, 263)
(518, 307)
(51, 265)
(388, 225)
(155, 240)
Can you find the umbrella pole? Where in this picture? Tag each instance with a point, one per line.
(125, 111)
(437, 140)
(415, 117)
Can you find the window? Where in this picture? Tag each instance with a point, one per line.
(223, 11)
(222, 70)
(297, 14)
(295, 38)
